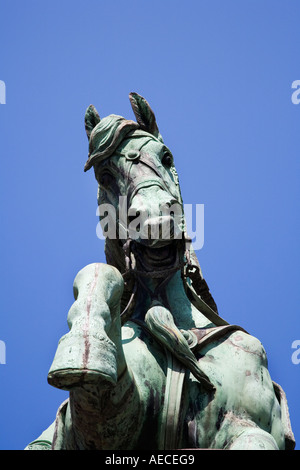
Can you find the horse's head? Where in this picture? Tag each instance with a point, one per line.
(138, 182)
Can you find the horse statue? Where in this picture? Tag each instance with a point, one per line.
(148, 361)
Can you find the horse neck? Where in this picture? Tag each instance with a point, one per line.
(173, 297)
(185, 314)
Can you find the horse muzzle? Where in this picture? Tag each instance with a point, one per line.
(155, 218)
(156, 232)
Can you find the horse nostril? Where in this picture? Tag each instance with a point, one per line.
(171, 203)
(160, 228)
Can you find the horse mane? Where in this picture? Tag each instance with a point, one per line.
(106, 137)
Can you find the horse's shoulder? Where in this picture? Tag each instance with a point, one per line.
(251, 345)
(249, 342)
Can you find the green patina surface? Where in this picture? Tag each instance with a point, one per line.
(148, 361)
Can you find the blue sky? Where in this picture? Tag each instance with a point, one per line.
(218, 76)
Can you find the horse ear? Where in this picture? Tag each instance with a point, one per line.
(144, 115)
(91, 119)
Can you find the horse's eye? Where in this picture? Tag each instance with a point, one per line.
(167, 160)
(105, 179)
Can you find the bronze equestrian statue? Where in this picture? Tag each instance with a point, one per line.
(148, 362)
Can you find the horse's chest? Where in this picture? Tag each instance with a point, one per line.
(148, 363)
